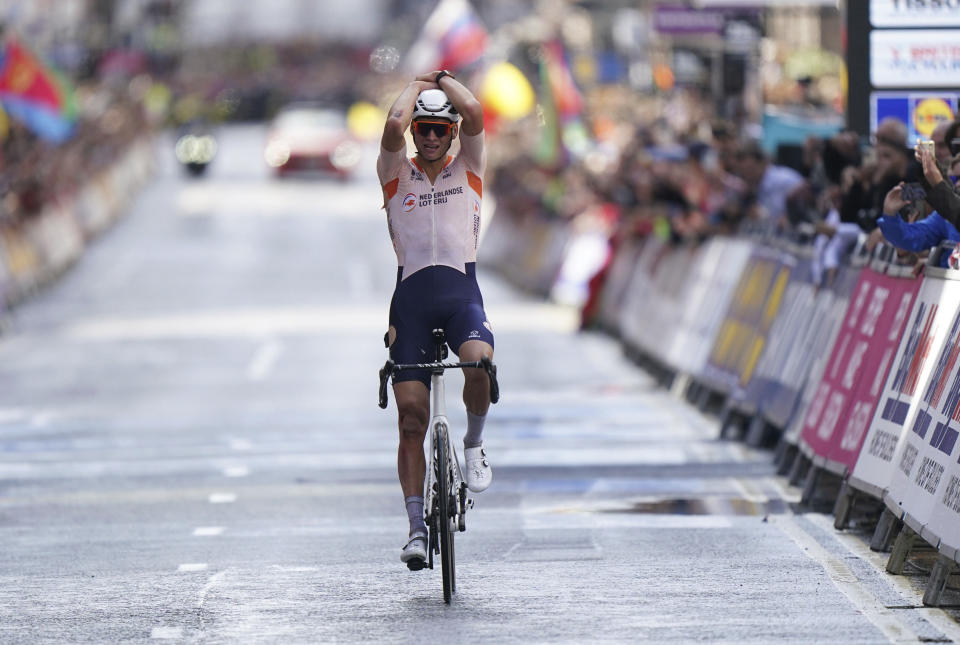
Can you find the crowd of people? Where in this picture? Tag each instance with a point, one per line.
(714, 180)
(35, 172)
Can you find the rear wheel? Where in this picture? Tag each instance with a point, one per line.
(446, 535)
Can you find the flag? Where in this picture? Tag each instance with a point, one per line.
(560, 107)
(566, 96)
(548, 149)
(33, 94)
(452, 38)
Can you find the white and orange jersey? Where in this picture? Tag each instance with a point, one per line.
(438, 224)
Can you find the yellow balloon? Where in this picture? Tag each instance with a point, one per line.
(365, 120)
(507, 92)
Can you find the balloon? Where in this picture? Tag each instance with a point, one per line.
(507, 92)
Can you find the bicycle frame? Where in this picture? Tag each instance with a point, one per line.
(440, 433)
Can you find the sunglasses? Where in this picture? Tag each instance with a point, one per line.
(440, 128)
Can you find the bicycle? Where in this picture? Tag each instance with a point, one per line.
(445, 499)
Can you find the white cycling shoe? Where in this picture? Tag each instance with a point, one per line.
(478, 471)
(414, 554)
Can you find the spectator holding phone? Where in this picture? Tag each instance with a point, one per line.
(940, 193)
(913, 236)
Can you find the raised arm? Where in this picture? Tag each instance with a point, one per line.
(401, 113)
(463, 99)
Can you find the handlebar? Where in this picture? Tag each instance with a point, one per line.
(392, 369)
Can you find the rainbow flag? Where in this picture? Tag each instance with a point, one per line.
(33, 94)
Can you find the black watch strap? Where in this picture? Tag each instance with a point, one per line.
(441, 74)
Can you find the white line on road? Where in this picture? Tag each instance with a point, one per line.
(222, 498)
(748, 490)
(11, 414)
(236, 471)
(855, 544)
(845, 580)
(206, 531)
(241, 444)
(211, 583)
(264, 359)
(166, 633)
(192, 566)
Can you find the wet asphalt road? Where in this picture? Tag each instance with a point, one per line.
(190, 450)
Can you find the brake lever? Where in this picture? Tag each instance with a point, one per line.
(385, 373)
(492, 374)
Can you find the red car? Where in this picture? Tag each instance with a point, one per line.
(306, 138)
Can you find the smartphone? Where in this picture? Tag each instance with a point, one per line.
(913, 192)
(928, 144)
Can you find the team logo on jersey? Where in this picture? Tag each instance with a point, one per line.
(409, 202)
(474, 334)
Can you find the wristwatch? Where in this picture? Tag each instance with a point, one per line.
(441, 74)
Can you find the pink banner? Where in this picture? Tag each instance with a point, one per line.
(843, 404)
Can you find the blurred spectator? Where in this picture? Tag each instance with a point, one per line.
(862, 201)
(770, 185)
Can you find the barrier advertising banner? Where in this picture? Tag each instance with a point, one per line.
(742, 336)
(634, 324)
(945, 518)
(618, 281)
(927, 452)
(882, 332)
(899, 402)
(716, 271)
(834, 301)
(782, 369)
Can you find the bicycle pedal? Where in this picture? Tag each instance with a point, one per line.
(416, 564)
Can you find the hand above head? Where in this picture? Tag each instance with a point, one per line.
(930, 169)
(894, 200)
(430, 77)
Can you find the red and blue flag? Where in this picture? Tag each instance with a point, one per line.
(33, 94)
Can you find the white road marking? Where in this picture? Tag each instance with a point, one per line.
(844, 579)
(307, 321)
(11, 414)
(236, 471)
(748, 490)
(785, 494)
(42, 419)
(937, 617)
(222, 498)
(264, 359)
(166, 633)
(192, 566)
(207, 588)
(241, 444)
(207, 531)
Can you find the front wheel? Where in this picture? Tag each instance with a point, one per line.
(446, 535)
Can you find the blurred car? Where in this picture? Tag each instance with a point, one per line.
(309, 138)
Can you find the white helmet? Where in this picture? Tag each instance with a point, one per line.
(434, 103)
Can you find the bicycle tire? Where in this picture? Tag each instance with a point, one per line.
(446, 536)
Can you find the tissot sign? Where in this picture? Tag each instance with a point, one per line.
(914, 58)
(915, 13)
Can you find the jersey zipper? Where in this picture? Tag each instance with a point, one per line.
(433, 219)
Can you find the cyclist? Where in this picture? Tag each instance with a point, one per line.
(433, 215)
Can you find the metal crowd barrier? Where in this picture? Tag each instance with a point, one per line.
(858, 380)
